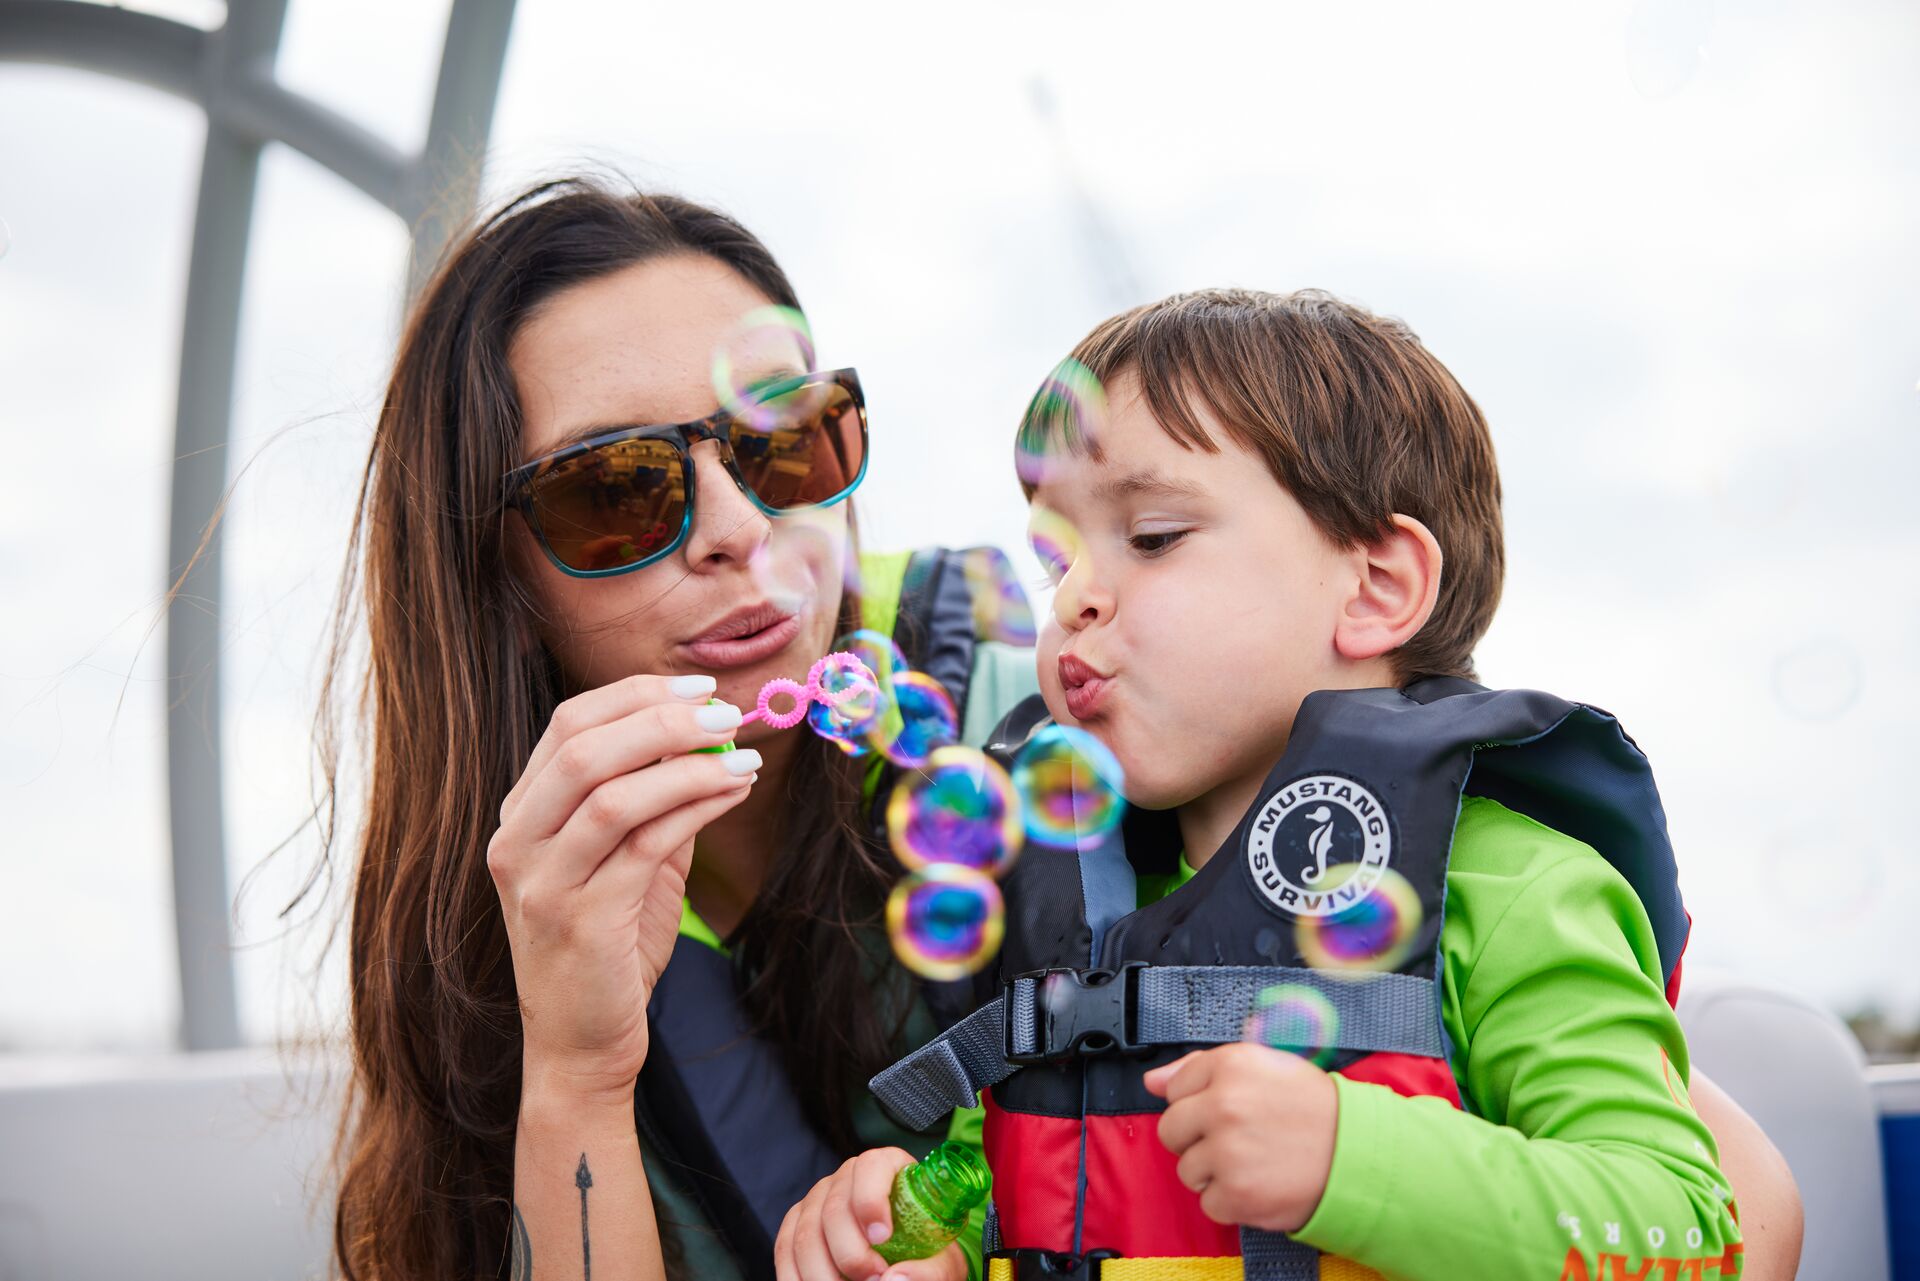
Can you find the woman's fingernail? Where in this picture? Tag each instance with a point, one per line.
(744, 761)
(876, 1232)
(692, 686)
(715, 717)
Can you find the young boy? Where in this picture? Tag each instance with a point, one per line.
(1274, 552)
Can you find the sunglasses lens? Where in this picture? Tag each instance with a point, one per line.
(611, 506)
(800, 447)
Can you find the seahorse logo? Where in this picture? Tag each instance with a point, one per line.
(1319, 844)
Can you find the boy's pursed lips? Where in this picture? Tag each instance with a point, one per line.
(1083, 685)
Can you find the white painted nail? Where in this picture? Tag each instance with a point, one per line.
(744, 761)
(692, 686)
(717, 716)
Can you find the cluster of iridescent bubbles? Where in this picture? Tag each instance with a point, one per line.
(956, 819)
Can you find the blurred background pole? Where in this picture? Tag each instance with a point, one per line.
(230, 74)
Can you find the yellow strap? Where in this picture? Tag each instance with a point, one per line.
(1216, 1268)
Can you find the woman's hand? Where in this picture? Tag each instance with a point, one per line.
(831, 1234)
(591, 862)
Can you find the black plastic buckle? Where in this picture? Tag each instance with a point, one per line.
(1046, 1265)
(1080, 1012)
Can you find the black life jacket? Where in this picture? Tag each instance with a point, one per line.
(1097, 992)
(714, 1103)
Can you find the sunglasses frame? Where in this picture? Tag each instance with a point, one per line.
(518, 483)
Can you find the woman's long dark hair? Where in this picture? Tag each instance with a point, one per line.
(453, 700)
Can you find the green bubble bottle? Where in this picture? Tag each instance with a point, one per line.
(931, 1200)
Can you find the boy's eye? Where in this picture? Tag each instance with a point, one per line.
(1156, 543)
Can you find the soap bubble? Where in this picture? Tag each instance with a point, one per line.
(1376, 933)
(1001, 611)
(1066, 415)
(881, 656)
(960, 808)
(767, 338)
(922, 720)
(1828, 873)
(1055, 541)
(1069, 787)
(1296, 1018)
(945, 921)
(1817, 681)
(848, 701)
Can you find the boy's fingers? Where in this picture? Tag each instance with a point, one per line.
(1195, 1168)
(846, 1233)
(873, 1175)
(811, 1261)
(1186, 1075)
(783, 1249)
(1182, 1125)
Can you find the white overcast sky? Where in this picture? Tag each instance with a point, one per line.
(1670, 248)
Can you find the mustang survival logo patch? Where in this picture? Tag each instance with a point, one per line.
(1304, 836)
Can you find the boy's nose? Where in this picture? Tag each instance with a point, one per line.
(728, 527)
(1080, 601)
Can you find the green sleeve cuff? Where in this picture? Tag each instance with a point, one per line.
(1366, 1167)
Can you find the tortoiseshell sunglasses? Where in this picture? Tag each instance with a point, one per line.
(622, 498)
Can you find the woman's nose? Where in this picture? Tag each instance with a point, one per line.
(727, 526)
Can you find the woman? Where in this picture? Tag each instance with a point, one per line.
(571, 549)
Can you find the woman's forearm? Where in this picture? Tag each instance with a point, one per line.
(580, 1198)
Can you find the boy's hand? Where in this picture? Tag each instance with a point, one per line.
(831, 1233)
(1253, 1128)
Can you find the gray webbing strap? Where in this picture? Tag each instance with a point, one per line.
(1176, 1005)
(1209, 1004)
(1275, 1256)
(949, 1071)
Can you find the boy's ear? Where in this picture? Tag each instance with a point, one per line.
(1395, 586)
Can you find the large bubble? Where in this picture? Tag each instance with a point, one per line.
(847, 701)
(960, 808)
(1070, 788)
(1066, 415)
(1818, 681)
(1296, 1018)
(1001, 611)
(1376, 933)
(945, 921)
(1055, 541)
(923, 720)
(766, 339)
(857, 735)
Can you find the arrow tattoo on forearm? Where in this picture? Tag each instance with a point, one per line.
(583, 1179)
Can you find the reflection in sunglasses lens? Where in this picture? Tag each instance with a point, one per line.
(799, 447)
(611, 506)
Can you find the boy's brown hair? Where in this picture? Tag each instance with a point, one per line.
(1354, 417)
